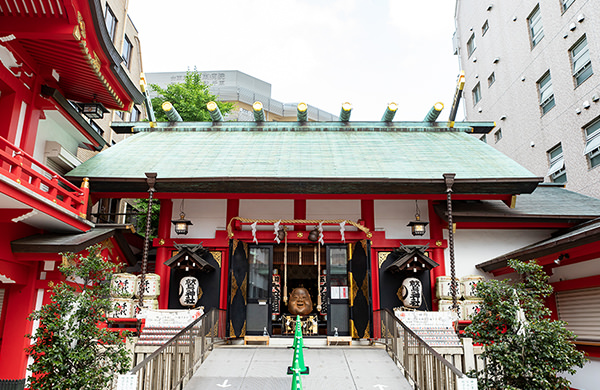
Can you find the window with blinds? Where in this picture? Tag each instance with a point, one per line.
(580, 309)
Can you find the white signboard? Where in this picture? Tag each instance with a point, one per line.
(162, 318)
(467, 384)
(127, 382)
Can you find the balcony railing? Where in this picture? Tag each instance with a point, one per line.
(171, 366)
(19, 166)
(425, 368)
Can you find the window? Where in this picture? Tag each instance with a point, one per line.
(557, 172)
(592, 145)
(121, 114)
(483, 138)
(127, 49)
(111, 22)
(535, 26)
(471, 45)
(476, 94)
(546, 93)
(582, 64)
(484, 28)
(566, 4)
(498, 135)
(491, 79)
(135, 115)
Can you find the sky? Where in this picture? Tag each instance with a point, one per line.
(321, 52)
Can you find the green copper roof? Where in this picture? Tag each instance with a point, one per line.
(342, 154)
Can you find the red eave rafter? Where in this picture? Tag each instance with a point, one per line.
(59, 35)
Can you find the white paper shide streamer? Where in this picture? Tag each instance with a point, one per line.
(254, 232)
(276, 228)
(343, 230)
(321, 236)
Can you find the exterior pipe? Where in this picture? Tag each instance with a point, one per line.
(259, 113)
(171, 112)
(302, 114)
(390, 112)
(215, 113)
(435, 111)
(345, 112)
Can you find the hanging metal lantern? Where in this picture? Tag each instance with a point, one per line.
(417, 226)
(181, 224)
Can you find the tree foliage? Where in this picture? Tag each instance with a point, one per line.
(525, 349)
(141, 205)
(69, 350)
(189, 99)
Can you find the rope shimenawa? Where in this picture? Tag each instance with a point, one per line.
(298, 222)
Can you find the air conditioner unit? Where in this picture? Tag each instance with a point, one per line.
(57, 154)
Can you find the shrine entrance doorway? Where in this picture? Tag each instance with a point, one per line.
(335, 276)
(301, 266)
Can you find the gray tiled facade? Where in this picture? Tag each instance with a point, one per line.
(503, 42)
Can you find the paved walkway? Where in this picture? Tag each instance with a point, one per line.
(331, 368)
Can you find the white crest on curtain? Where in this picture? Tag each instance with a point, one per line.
(276, 229)
(321, 236)
(343, 230)
(254, 232)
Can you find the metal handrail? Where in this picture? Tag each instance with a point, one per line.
(422, 365)
(174, 363)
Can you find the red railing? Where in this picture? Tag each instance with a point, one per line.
(29, 173)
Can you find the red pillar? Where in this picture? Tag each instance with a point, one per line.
(436, 233)
(367, 212)
(32, 120)
(162, 252)
(10, 108)
(21, 302)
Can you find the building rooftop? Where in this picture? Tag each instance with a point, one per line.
(306, 157)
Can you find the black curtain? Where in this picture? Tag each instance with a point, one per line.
(238, 286)
(360, 303)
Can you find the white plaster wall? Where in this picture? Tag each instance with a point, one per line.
(266, 209)
(55, 128)
(207, 216)
(392, 216)
(576, 271)
(472, 247)
(348, 209)
(586, 378)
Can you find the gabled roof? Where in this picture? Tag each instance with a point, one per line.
(583, 234)
(549, 202)
(312, 157)
(408, 254)
(75, 243)
(66, 43)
